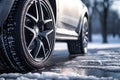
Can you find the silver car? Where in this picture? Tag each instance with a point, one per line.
(29, 29)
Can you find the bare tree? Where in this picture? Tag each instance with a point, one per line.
(104, 20)
(103, 16)
(100, 8)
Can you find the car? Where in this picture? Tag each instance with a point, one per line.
(29, 29)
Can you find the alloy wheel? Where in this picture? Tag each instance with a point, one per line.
(39, 32)
(85, 34)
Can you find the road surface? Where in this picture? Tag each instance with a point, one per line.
(102, 62)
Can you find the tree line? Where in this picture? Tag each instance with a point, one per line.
(109, 19)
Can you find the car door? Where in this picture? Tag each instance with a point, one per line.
(68, 12)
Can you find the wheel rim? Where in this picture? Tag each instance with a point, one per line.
(39, 32)
(85, 34)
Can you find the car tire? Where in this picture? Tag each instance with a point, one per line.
(79, 47)
(28, 35)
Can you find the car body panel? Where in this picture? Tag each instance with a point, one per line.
(5, 6)
(69, 15)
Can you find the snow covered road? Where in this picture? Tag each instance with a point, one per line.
(101, 63)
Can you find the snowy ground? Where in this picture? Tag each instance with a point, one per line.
(101, 63)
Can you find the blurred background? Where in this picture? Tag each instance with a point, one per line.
(104, 21)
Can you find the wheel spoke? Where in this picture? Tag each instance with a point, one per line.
(45, 36)
(43, 49)
(38, 47)
(41, 11)
(31, 17)
(31, 43)
(37, 13)
(47, 21)
(30, 29)
(46, 33)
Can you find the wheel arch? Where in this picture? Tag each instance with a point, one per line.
(84, 13)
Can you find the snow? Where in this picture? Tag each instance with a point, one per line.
(113, 42)
(97, 38)
(101, 63)
(52, 76)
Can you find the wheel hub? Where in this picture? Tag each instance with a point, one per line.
(39, 27)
